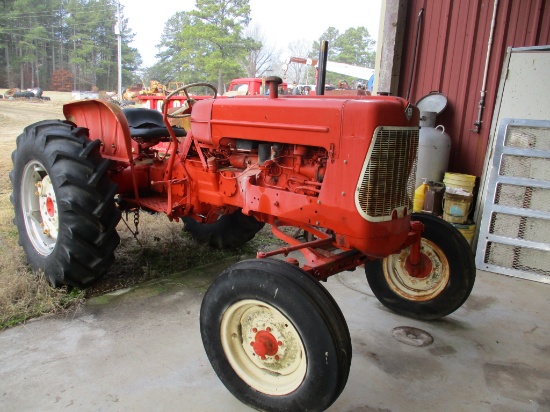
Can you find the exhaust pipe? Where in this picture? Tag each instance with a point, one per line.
(273, 82)
(322, 69)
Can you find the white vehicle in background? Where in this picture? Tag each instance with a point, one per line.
(364, 73)
(81, 95)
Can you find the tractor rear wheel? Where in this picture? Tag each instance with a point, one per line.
(447, 279)
(275, 337)
(65, 211)
(228, 231)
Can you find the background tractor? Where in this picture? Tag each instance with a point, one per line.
(341, 169)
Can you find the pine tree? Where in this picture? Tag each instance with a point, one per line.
(206, 44)
(40, 37)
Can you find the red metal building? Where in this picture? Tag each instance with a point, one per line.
(451, 58)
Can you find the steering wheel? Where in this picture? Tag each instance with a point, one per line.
(189, 102)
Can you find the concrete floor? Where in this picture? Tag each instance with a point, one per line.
(140, 350)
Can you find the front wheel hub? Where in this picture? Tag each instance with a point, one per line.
(421, 282)
(422, 269)
(265, 344)
(263, 347)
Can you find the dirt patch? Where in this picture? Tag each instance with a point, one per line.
(17, 114)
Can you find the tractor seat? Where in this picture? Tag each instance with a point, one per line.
(147, 124)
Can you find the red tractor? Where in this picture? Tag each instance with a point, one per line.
(340, 169)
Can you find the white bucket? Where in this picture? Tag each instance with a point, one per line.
(456, 208)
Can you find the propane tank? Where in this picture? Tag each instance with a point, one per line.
(434, 148)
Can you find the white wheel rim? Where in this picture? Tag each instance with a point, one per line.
(39, 207)
(251, 322)
(417, 288)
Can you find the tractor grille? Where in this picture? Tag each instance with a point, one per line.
(387, 180)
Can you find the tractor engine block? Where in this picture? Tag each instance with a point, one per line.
(294, 168)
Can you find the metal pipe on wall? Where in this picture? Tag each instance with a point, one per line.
(418, 25)
(118, 32)
(478, 122)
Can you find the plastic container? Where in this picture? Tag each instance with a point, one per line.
(433, 198)
(456, 207)
(460, 181)
(467, 230)
(419, 196)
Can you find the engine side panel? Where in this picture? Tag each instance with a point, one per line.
(343, 129)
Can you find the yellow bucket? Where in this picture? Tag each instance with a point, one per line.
(456, 207)
(461, 181)
(468, 231)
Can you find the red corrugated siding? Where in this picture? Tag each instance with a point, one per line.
(451, 55)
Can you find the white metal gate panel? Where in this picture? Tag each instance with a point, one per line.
(514, 237)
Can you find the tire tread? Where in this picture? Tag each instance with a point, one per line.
(87, 237)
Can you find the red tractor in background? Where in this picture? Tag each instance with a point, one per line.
(251, 86)
(339, 168)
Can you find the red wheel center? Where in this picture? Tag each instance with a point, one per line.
(50, 206)
(265, 344)
(422, 270)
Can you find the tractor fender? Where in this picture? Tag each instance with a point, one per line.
(106, 122)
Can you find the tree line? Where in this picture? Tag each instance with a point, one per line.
(71, 45)
(63, 45)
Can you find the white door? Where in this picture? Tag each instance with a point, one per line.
(514, 211)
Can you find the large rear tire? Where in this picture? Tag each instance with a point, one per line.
(275, 337)
(442, 289)
(228, 231)
(64, 203)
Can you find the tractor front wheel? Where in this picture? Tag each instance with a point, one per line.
(64, 205)
(275, 337)
(443, 285)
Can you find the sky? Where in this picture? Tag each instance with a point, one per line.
(296, 20)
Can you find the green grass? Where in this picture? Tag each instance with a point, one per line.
(163, 248)
(29, 295)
